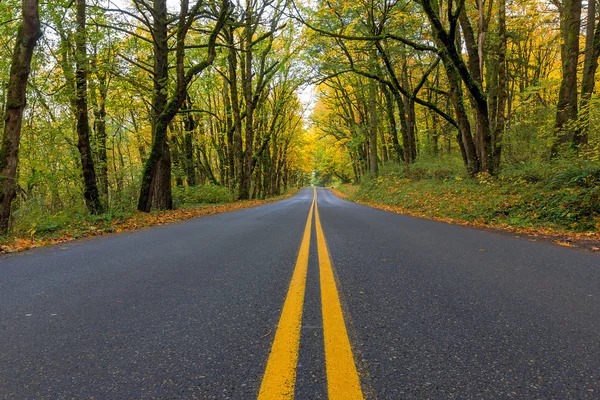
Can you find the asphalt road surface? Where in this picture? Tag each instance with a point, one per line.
(317, 299)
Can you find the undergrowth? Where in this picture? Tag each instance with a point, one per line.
(33, 219)
(205, 194)
(562, 195)
(41, 229)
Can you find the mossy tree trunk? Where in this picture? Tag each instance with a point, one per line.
(155, 168)
(27, 37)
(499, 84)
(566, 108)
(99, 98)
(238, 150)
(450, 53)
(393, 126)
(155, 191)
(590, 65)
(245, 180)
(373, 125)
(464, 138)
(90, 191)
(189, 124)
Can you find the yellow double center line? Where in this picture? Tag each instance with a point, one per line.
(343, 382)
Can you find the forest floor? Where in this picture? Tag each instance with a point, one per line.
(567, 216)
(104, 224)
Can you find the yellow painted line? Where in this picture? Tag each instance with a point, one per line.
(280, 374)
(343, 382)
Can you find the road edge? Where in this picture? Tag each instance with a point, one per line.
(564, 239)
(135, 222)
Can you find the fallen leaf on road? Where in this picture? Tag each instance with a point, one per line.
(267, 334)
(564, 244)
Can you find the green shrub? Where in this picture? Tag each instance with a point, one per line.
(205, 194)
(528, 172)
(562, 194)
(447, 167)
(34, 217)
(392, 170)
(586, 177)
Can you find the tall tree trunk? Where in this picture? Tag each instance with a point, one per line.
(389, 108)
(246, 181)
(410, 145)
(162, 197)
(465, 137)
(397, 93)
(90, 192)
(157, 171)
(483, 133)
(229, 126)
(590, 65)
(411, 123)
(27, 37)
(373, 161)
(475, 69)
(156, 180)
(406, 153)
(566, 108)
(501, 89)
(100, 130)
(238, 149)
(451, 55)
(155, 168)
(188, 137)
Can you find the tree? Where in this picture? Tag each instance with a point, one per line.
(80, 105)
(566, 108)
(590, 66)
(28, 34)
(155, 190)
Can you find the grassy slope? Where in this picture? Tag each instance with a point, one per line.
(563, 205)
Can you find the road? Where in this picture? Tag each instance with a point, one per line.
(417, 310)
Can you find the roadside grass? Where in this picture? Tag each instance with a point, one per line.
(39, 229)
(560, 199)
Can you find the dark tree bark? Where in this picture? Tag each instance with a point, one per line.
(566, 108)
(396, 88)
(229, 126)
(189, 124)
(249, 97)
(155, 191)
(389, 108)
(590, 65)
(475, 69)
(155, 168)
(451, 55)
(411, 118)
(501, 90)
(253, 83)
(100, 129)
(373, 161)
(16, 99)
(465, 137)
(238, 150)
(90, 191)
